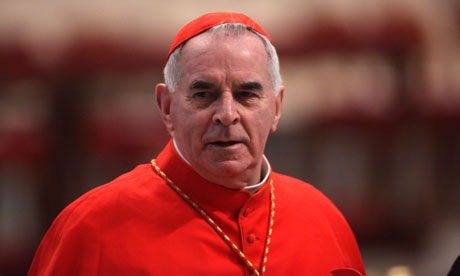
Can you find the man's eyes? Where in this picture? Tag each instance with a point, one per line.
(203, 94)
(212, 95)
(246, 95)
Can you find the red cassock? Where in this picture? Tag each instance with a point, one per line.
(138, 225)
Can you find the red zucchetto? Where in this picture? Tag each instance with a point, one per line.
(210, 20)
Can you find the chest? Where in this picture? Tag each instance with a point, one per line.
(178, 241)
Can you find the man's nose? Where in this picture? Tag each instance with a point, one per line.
(226, 111)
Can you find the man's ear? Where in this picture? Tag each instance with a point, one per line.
(278, 105)
(163, 99)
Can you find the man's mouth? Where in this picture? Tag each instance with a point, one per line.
(224, 144)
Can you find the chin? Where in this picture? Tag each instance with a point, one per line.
(228, 168)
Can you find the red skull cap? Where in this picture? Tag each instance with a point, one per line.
(209, 20)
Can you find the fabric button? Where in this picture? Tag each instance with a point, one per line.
(251, 238)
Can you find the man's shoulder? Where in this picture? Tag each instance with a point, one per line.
(137, 186)
(101, 215)
(140, 178)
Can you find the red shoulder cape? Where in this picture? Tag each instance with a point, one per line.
(137, 225)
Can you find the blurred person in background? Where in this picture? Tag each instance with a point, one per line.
(209, 204)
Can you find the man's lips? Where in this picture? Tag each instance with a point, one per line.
(224, 143)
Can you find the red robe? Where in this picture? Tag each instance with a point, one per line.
(137, 225)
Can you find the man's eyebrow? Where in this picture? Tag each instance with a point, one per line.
(251, 85)
(200, 84)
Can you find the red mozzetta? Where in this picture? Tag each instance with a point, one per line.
(137, 225)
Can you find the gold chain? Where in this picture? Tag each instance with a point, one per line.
(219, 230)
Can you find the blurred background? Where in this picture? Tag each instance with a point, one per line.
(371, 113)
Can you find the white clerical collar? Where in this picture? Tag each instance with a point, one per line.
(180, 154)
(252, 188)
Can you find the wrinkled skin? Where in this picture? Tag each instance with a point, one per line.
(223, 108)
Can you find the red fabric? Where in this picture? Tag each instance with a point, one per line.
(210, 20)
(137, 225)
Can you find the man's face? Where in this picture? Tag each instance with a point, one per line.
(223, 108)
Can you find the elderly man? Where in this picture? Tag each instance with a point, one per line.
(209, 204)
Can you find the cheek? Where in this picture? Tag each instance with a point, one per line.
(267, 125)
(181, 115)
(192, 124)
(260, 125)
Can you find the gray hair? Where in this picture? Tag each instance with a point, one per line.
(172, 71)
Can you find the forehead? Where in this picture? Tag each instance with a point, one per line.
(224, 52)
